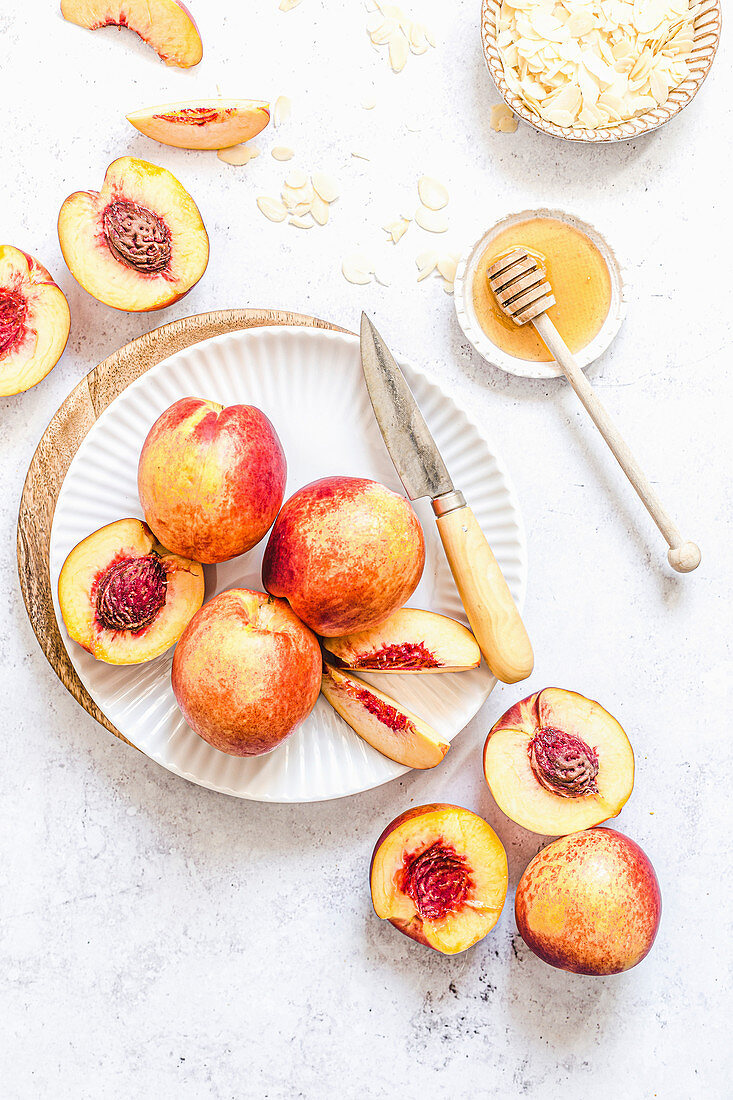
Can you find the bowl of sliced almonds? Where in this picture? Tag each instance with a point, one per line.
(599, 70)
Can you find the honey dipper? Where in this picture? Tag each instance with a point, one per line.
(524, 294)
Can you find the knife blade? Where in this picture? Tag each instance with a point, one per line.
(485, 595)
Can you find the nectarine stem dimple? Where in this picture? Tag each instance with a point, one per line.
(131, 593)
(136, 236)
(13, 310)
(563, 763)
(437, 880)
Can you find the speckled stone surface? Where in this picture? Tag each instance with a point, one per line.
(159, 940)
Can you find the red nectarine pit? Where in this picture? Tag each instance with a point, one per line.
(136, 236)
(387, 715)
(13, 310)
(407, 655)
(131, 593)
(563, 764)
(437, 880)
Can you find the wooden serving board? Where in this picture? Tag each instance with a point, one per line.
(61, 441)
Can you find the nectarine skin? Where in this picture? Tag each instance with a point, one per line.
(345, 552)
(590, 903)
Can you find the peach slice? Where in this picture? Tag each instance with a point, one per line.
(558, 762)
(203, 123)
(124, 597)
(139, 243)
(166, 25)
(408, 641)
(439, 874)
(34, 321)
(383, 723)
(589, 903)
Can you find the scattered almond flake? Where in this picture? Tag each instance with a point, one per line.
(447, 267)
(325, 186)
(288, 5)
(399, 49)
(238, 154)
(283, 152)
(396, 229)
(503, 119)
(432, 194)
(319, 210)
(387, 25)
(300, 223)
(301, 208)
(592, 63)
(414, 126)
(273, 209)
(382, 276)
(281, 110)
(361, 156)
(434, 221)
(448, 288)
(426, 264)
(357, 268)
(296, 179)
(369, 103)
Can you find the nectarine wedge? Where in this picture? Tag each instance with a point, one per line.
(203, 123)
(124, 597)
(391, 729)
(34, 321)
(439, 875)
(139, 243)
(558, 762)
(408, 641)
(166, 25)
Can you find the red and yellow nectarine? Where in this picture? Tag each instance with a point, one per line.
(409, 641)
(166, 25)
(34, 321)
(203, 123)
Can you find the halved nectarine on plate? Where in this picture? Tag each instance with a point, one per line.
(34, 321)
(203, 123)
(388, 727)
(558, 762)
(166, 25)
(139, 243)
(439, 874)
(124, 597)
(408, 641)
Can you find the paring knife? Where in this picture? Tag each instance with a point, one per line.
(491, 611)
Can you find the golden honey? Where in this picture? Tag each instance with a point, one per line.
(578, 275)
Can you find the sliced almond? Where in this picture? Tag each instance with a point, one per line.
(448, 288)
(361, 156)
(301, 208)
(296, 179)
(399, 49)
(383, 33)
(272, 209)
(288, 5)
(238, 154)
(430, 37)
(426, 264)
(357, 268)
(282, 152)
(432, 194)
(434, 221)
(301, 223)
(325, 186)
(319, 210)
(382, 276)
(281, 110)
(369, 103)
(447, 267)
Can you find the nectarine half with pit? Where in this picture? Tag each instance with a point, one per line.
(589, 903)
(382, 722)
(124, 597)
(211, 479)
(203, 123)
(246, 672)
(439, 874)
(345, 552)
(558, 762)
(139, 243)
(408, 641)
(34, 321)
(166, 25)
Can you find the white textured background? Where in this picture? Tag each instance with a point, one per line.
(158, 940)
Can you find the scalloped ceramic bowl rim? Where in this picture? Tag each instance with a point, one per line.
(707, 38)
(527, 368)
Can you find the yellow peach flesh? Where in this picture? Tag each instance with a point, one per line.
(410, 641)
(165, 25)
(203, 124)
(45, 326)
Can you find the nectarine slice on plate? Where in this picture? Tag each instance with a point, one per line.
(165, 25)
(211, 479)
(34, 321)
(439, 874)
(383, 723)
(124, 597)
(246, 672)
(203, 123)
(558, 762)
(139, 243)
(589, 903)
(408, 641)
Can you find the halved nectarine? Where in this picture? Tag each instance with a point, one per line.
(408, 641)
(139, 243)
(558, 762)
(124, 597)
(34, 321)
(203, 123)
(166, 25)
(439, 874)
(381, 722)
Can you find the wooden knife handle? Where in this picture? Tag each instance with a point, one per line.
(491, 611)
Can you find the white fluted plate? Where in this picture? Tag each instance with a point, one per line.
(309, 382)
